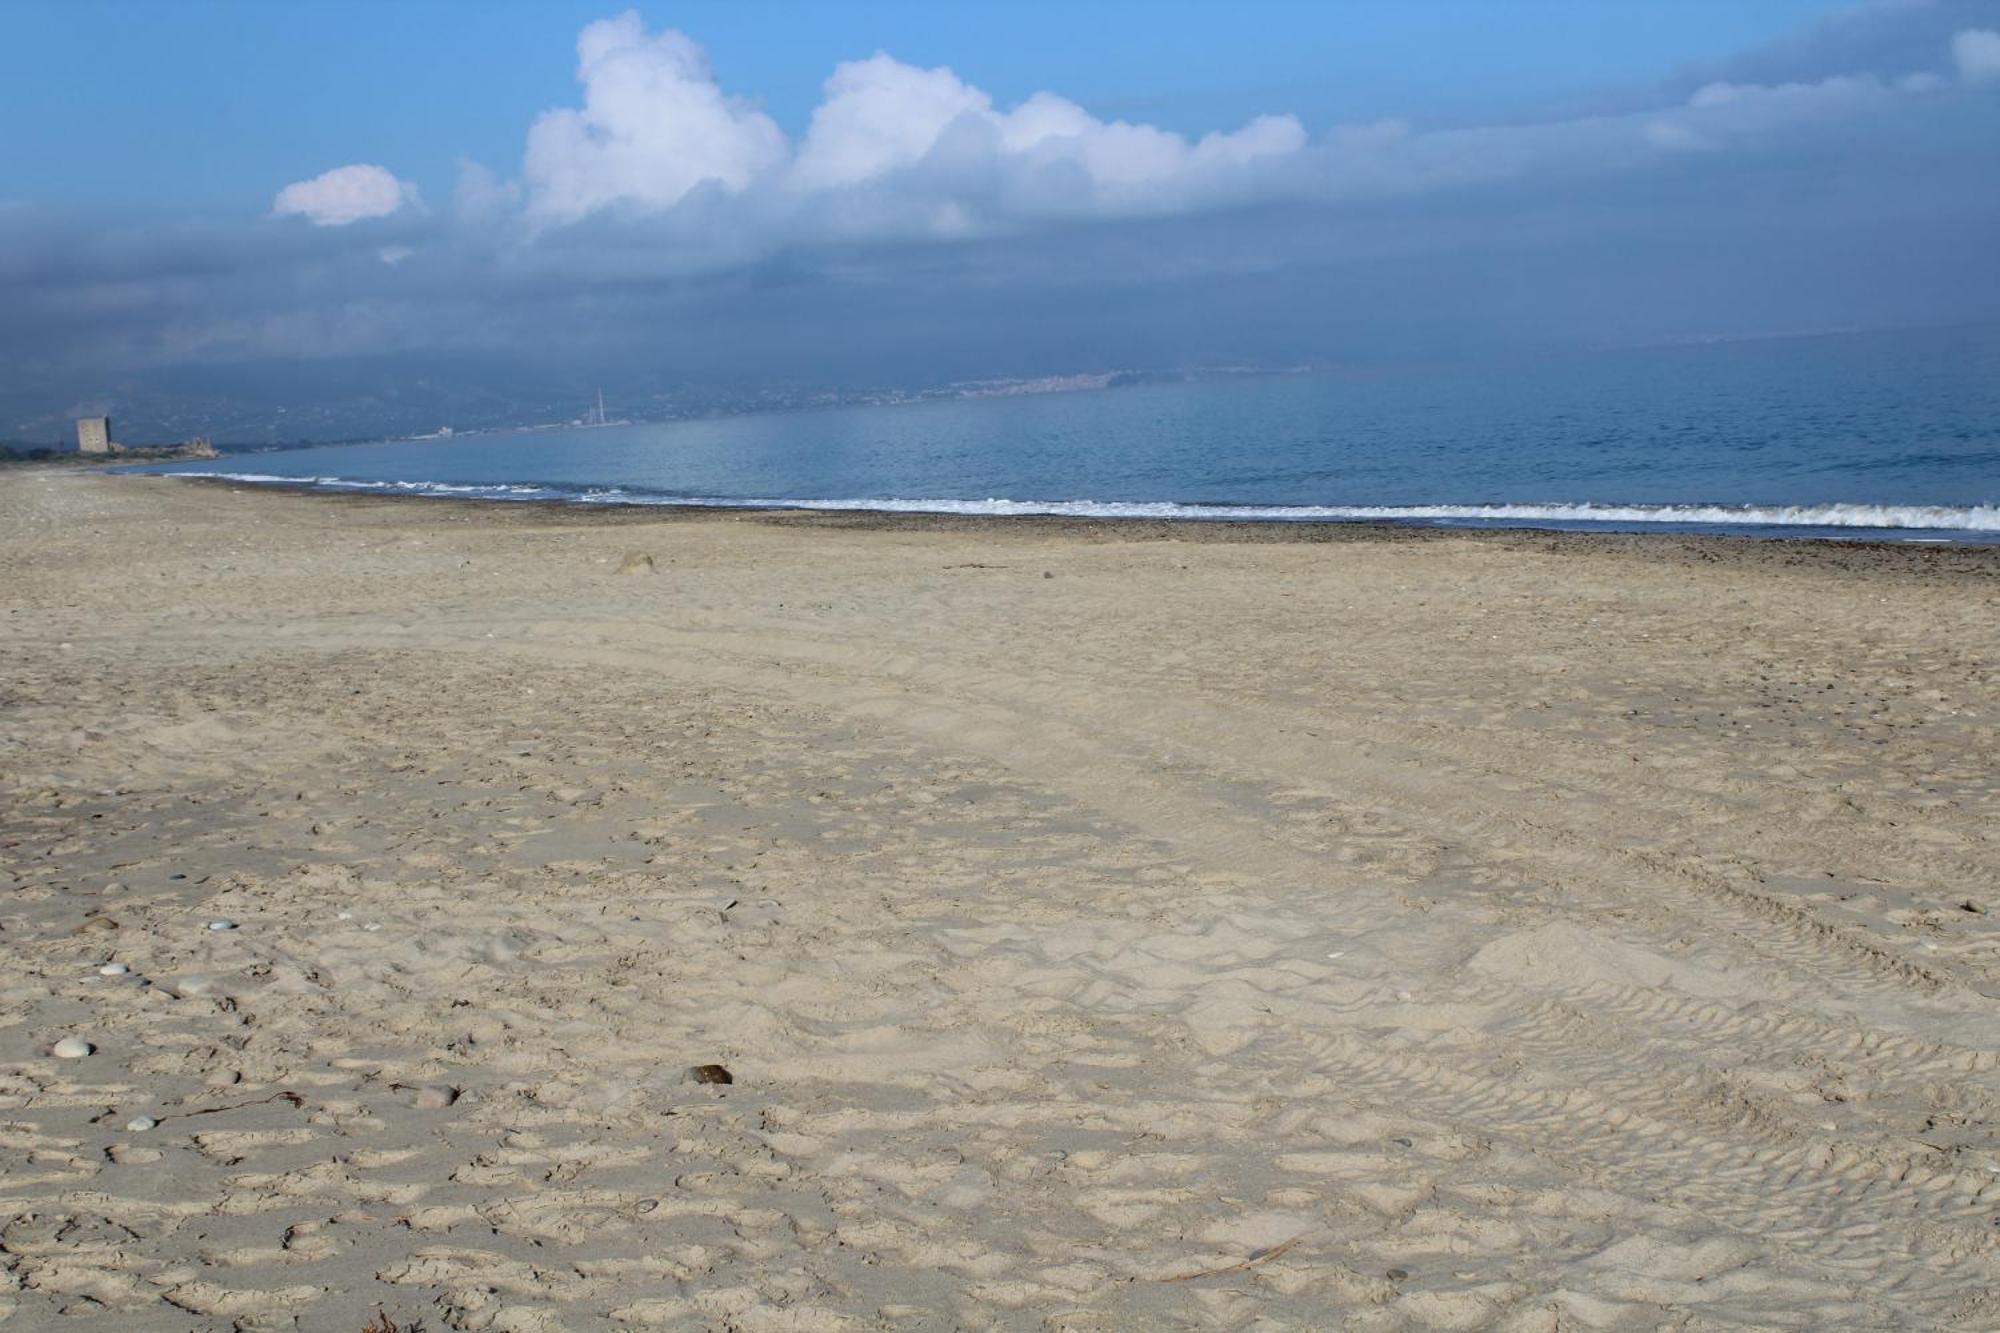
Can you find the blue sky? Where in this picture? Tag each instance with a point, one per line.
(207, 105)
(388, 206)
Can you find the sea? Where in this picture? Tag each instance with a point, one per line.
(1890, 435)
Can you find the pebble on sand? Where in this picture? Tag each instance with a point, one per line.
(139, 1124)
(71, 1048)
(636, 562)
(434, 1096)
(709, 1074)
(113, 970)
(222, 923)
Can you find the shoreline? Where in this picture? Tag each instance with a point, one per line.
(1971, 556)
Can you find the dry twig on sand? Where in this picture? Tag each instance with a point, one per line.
(1256, 1257)
(382, 1323)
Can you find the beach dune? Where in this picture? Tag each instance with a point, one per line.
(1101, 926)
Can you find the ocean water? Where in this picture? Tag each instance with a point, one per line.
(1884, 434)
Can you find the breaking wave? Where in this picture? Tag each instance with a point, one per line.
(1929, 518)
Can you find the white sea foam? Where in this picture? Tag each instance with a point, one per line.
(494, 491)
(1933, 518)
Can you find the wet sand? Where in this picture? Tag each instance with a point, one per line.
(1104, 924)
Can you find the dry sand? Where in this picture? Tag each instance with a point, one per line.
(1105, 927)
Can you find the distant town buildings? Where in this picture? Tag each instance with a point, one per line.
(93, 435)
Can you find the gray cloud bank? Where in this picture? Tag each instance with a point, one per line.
(665, 226)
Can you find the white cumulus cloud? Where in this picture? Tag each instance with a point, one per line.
(343, 195)
(1976, 52)
(653, 126)
(881, 117)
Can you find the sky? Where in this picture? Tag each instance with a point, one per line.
(208, 198)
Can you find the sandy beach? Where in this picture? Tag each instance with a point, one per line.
(1103, 927)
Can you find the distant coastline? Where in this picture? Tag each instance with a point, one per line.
(779, 400)
(14, 454)
(957, 390)
(465, 407)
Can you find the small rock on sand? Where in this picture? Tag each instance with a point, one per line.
(433, 1096)
(709, 1074)
(139, 1124)
(636, 562)
(71, 1048)
(95, 923)
(222, 923)
(113, 970)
